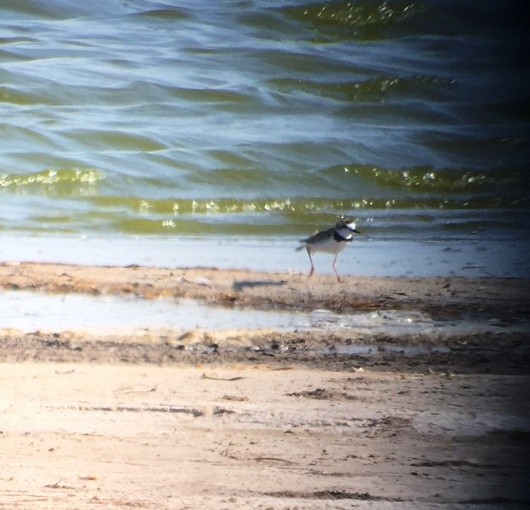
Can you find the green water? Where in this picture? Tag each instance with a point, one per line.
(264, 119)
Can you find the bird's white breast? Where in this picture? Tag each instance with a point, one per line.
(328, 245)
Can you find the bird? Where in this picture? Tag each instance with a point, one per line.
(332, 240)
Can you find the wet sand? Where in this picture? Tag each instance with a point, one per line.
(161, 418)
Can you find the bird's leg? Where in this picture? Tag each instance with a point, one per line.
(335, 269)
(312, 270)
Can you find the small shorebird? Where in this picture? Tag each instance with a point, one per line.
(333, 240)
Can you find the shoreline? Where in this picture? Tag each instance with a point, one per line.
(447, 324)
(443, 296)
(387, 257)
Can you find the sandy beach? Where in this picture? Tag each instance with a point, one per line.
(162, 346)
(257, 418)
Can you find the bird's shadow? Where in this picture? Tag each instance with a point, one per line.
(250, 284)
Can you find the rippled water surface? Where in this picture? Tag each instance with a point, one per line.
(265, 119)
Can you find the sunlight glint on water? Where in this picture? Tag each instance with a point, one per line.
(267, 119)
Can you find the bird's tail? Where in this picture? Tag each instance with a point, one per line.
(301, 247)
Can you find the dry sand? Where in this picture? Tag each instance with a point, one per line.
(264, 419)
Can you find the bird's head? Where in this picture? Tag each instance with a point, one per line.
(346, 223)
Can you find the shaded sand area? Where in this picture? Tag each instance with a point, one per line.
(332, 416)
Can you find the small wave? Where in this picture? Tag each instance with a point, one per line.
(60, 9)
(170, 14)
(125, 141)
(442, 181)
(175, 209)
(212, 95)
(377, 217)
(377, 89)
(355, 20)
(12, 96)
(62, 181)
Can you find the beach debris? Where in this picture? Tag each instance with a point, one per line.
(273, 459)
(234, 398)
(218, 411)
(215, 378)
(133, 391)
(318, 393)
(200, 281)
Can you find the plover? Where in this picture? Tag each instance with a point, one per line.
(333, 240)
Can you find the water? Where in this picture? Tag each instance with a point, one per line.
(30, 311)
(265, 120)
(391, 257)
(27, 311)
